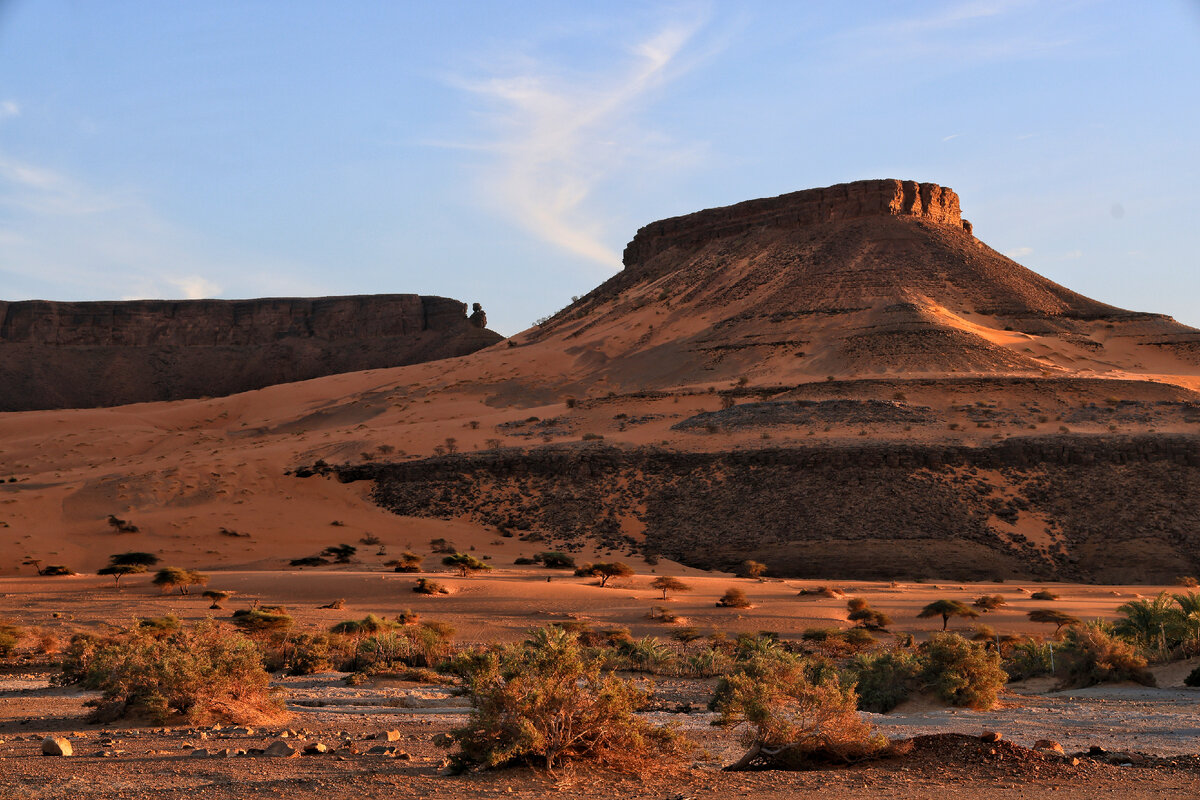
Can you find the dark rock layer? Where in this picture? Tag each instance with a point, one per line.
(1101, 508)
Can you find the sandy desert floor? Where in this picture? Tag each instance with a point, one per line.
(126, 761)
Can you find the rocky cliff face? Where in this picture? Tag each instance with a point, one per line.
(88, 354)
(845, 201)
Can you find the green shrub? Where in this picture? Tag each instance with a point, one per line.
(960, 672)
(160, 626)
(302, 654)
(10, 636)
(883, 680)
(1092, 655)
(545, 702)
(733, 598)
(259, 620)
(1193, 678)
(706, 664)
(57, 570)
(370, 624)
(791, 719)
(196, 675)
(1028, 660)
(466, 564)
(555, 560)
(407, 562)
(426, 586)
(1044, 594)
(989, 602)
(648, 654)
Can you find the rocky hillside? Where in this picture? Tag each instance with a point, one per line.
(83, 355)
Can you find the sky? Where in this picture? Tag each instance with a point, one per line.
(505, 152)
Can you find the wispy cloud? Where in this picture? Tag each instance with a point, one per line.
(64, 238)
(556, 136)
(958, 33)
(951, 136)
(1018, 252)
(9, 108)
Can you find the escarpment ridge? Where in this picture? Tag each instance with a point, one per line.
(89, 354)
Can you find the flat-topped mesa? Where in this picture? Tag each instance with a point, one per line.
(845, 201)
(89, 354)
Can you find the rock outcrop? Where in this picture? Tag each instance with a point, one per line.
(89, 354)
(845, 201)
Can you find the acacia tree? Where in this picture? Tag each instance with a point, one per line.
(133, 559)
(1053, 617)
(861, 612)
(119, 571)
(170, 577)
(947, 609)
(466, 563)
(669, 584)
(216, 596)
(615, 569)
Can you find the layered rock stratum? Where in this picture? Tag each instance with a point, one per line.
(89, 354)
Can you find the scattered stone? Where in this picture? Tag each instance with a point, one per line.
(315, 749)
(242, 731)
(200, 753)
(281, 749)
(57, 746)
(991, 736)
(381, 750)
(1048, 744)
(388, 736)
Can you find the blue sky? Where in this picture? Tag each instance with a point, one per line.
(505, 152)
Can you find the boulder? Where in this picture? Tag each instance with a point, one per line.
(57, 746)
(280, 749)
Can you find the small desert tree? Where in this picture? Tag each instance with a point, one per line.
(133, 559)
(947, 609)
(174, 577)
(1050, 616)
(119, 571)
(861, 612)
(614, 569)
(666, 584)
(466, 564)
(217, 597)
